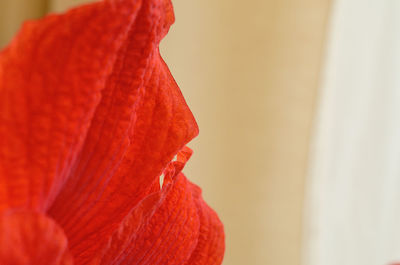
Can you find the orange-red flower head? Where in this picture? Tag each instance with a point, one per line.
(90, 118)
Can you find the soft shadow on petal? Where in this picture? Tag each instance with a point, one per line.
(32, 238)
(141, 122)
(51, 78)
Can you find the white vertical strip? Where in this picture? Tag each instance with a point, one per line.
(353, 190)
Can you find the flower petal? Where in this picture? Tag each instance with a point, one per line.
(51, 78)
(92, 127)
(141, 122)
(31, 238)
(179, 229)
(211, 243)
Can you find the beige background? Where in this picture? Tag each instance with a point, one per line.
(249, 71)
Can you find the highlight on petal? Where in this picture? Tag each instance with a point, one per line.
(32, 238)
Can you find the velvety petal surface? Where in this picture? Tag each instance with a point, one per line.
(51, 79)
(211, 242)
(173, 226)
(90, 119)
(28, 238)
(141, 123)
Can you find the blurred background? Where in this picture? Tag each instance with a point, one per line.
(298, 103)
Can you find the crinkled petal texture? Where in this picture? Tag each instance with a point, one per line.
(90, 119)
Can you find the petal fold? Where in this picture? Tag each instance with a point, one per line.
(140, 124)
(173, 226)
(51, 78)
(32, 238)
(90, 118)
(211, 242)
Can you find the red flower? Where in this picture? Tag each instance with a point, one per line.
(90, 119)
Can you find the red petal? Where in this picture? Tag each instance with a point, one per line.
(91, 128)
(51, 78)
(31, 238)
(211, 243)
(141, 122)
(179, 229)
